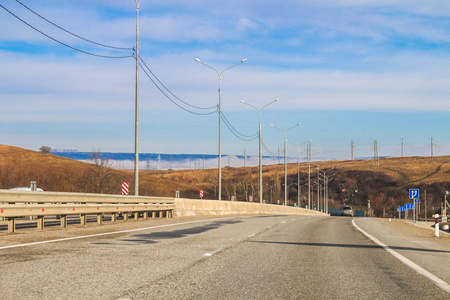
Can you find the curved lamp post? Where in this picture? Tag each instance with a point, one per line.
(260, 151)
(220, 117)
(285, 159)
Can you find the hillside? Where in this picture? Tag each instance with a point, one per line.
(354, 182)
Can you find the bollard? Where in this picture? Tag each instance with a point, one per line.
(40, 223)
(11, 225)
(64, 221)
(436, 225)
(83, 219)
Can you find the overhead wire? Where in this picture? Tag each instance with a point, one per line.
(159, 81)
(168, 97)
(71, 33)
(64, 44)
(266, 148)
(239, 135)
(155, 81)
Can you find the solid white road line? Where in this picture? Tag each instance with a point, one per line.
(439, 282)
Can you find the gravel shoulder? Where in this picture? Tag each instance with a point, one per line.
(421, 229)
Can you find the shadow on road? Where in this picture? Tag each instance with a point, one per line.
(351, 246)
(152, 238)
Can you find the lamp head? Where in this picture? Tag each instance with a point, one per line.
(277, 99)
(197, 59)
(271, 125)
(244, 60)
(242, 101)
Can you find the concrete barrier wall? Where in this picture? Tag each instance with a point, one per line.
(191, 207)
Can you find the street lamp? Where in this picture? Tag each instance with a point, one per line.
(309, 172)
(285, 159)
(220, 118)
(260, 150)
(325, 187)
(136, 108)
(298, 169)
(271, 189)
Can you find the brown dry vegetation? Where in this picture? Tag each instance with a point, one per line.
(354, 182)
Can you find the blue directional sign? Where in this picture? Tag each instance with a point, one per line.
(401, 208)
(416, 200)
(413, 193)
(409, 205)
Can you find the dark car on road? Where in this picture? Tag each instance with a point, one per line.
(346, 211)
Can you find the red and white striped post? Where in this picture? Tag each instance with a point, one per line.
(125, 186)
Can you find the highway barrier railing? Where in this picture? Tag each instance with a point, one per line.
(19, 204)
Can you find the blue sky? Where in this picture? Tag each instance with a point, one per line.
(346, 69)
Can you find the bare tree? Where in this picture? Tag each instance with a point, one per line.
(45, 149)
(102, 172)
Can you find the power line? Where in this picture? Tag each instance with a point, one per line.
(237, 133)
(267, 149)
(71, 33)
(193, 106)
(167, 96)
(64, 44)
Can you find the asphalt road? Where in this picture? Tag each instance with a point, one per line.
(252, 257)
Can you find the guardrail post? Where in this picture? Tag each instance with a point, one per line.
(167, 214)
(125, 216)
(40, 222)
(160, 214)
(11, 225)
(145, 215)
(83, 219)
(113, 217)
(64, 221)
(136, 216)
(153, 214)
(99, 218)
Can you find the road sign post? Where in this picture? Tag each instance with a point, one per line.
(201, 195)
(414, 194)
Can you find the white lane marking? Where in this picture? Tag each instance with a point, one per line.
(212, 253)
(115, 232)
(439, 282)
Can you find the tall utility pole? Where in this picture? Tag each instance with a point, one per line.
(285, 160)
(432, 144)
(375, 153)
(352, 147)
(402, 147)
(245, 159)
(309, 174)
(136, 107)
(219, 106)
(260, 148)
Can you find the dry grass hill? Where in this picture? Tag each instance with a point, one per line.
(354, 182)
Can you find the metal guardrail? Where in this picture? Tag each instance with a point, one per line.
(17, 204)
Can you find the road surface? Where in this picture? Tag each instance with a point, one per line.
(250, 257)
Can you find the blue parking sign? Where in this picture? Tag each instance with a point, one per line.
(413, 193)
